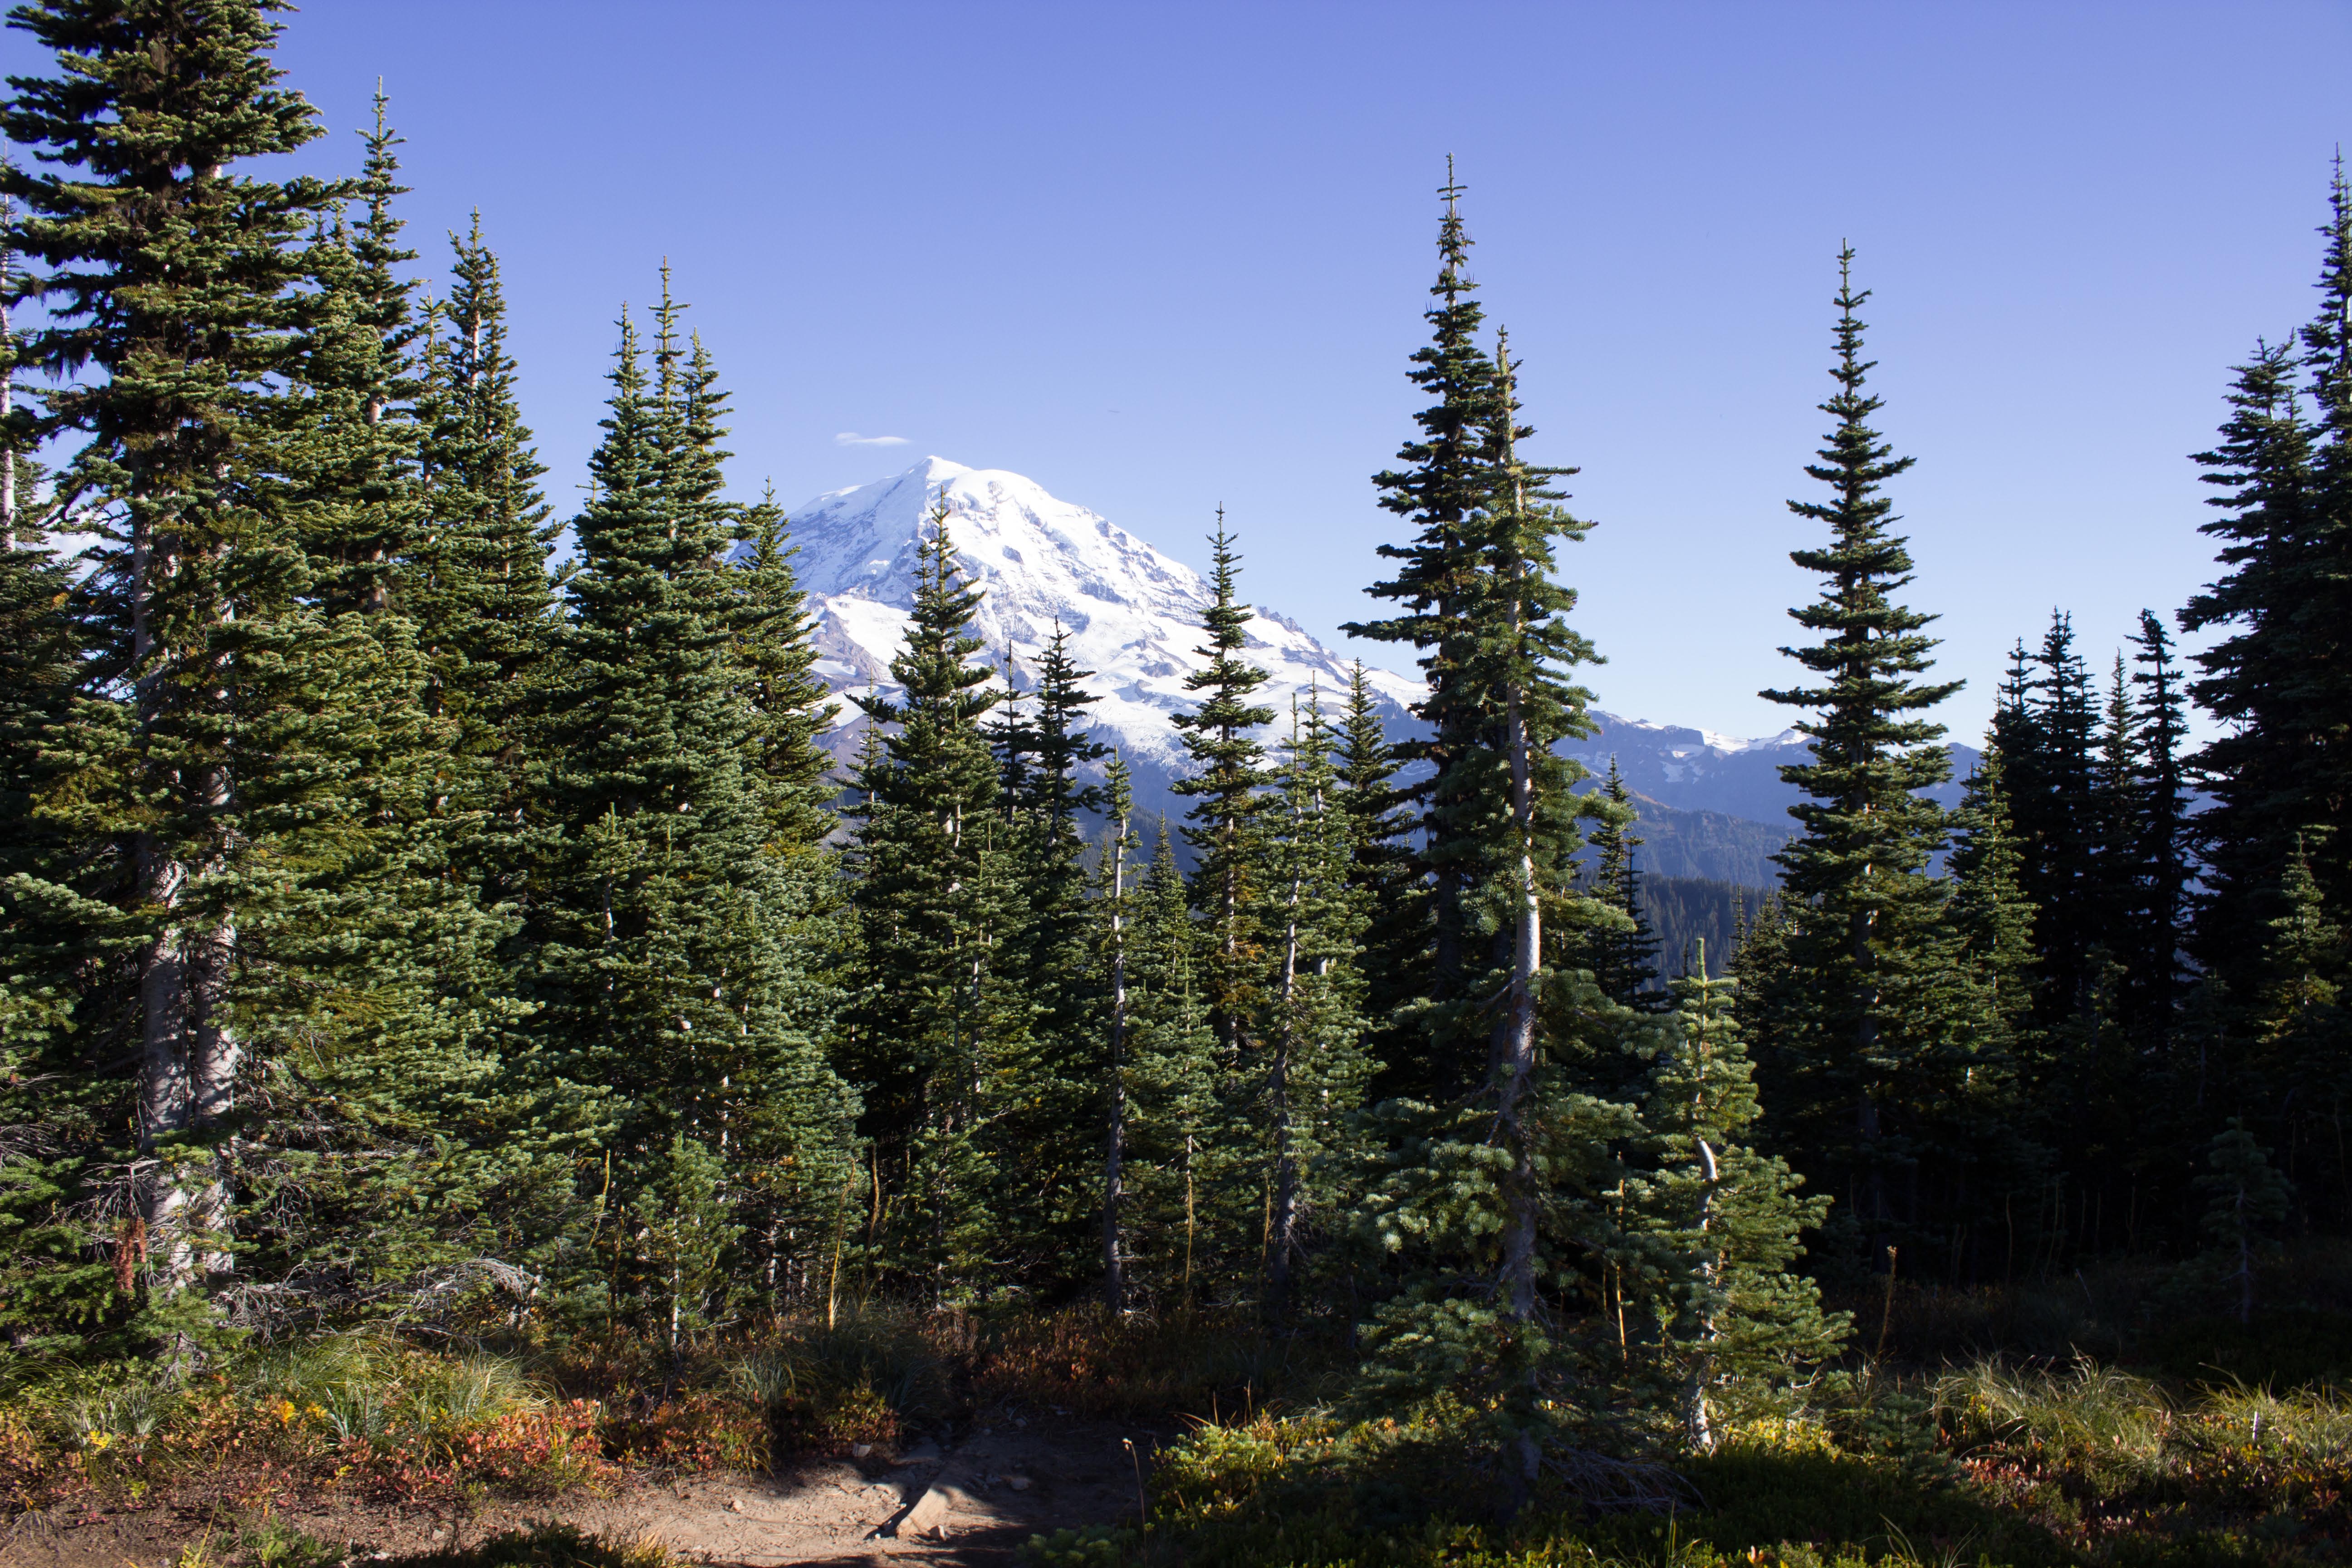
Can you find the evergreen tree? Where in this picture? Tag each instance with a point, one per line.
(670, 1013)
(1386, 883)
(1445, 482)
(1492, 1206)
(2270, 600)
(1990, 911)
(1048, 963)
(1867, 1007)
(477, 584)
(1733, 1319)
(1310, 1076)
(2051, 766)
(61, 976)
(1228, 771)
(2297, 1024)
(789, 705)
(172, 286)
(1169, 1173)
(932, 1022)
(2162, 850)
(2246, 1201)
(1114, 909)
(1621, 951)
(352, 489)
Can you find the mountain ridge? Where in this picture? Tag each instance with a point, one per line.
(1132, 614)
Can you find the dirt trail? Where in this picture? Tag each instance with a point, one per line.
(976, 1503)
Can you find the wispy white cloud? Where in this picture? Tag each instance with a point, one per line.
(851, 438)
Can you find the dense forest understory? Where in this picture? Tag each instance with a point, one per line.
(464, 1045)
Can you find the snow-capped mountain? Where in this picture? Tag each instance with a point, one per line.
(1132, 613)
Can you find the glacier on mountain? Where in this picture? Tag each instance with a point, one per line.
(1132, 613)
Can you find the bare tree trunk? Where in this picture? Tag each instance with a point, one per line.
(188, 1056)
(1282, 1228)
(7, 384)
(1698, 1424)
(1516, 1068)
(1115, 1121)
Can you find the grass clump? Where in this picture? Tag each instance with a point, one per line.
(871, 1376)
(553, 1545)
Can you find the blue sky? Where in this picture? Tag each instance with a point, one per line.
(1162, 256)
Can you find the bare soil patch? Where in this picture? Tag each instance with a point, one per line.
(975, 1502)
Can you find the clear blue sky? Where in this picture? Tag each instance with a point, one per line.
(1159, 257)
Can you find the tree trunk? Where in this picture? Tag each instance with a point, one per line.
(1282, 1228)
(1115, 1121)
(188, 1056)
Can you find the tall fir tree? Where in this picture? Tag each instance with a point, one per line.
(2162, 848)
(1733, 1321)
(1310, 1077)
(477, 582)
(1492, 1207)
(2048, 744)
(932, 1022)
(1116, 913)
(673, 1022)
(1387, 883)
(2261, 770)
(789, 705)
(176, 290)
(1866, 1016)
(1444, 482)
(1220, 741)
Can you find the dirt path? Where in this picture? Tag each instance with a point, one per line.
(975, 1503)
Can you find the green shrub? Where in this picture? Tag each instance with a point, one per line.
(553, 1545)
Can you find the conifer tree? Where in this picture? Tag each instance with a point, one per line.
(1386, 883)
(1228, 771)
(1622, 952)
(1312, 1072)
(2246, 1200)
(59, 883)
(170, 283)
(1047, 963)
(672, 1019)
(2296, 1017)
(1990, 911)
(477, 584)
(1490, 1206)
(1867, 1009)
(352, 489)
(931, 1023)
(1733, 1318)
(2162, 850)
(1445, 481)
(2051, 767)
(1169, 1169)
(789, 705)
(1116, 917)
(2269, 601)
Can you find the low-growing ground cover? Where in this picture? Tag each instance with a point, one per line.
(1914, 1456)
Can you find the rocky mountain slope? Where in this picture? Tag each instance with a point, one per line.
(1132, 613)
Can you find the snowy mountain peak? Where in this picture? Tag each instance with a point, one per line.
(1132, 613)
